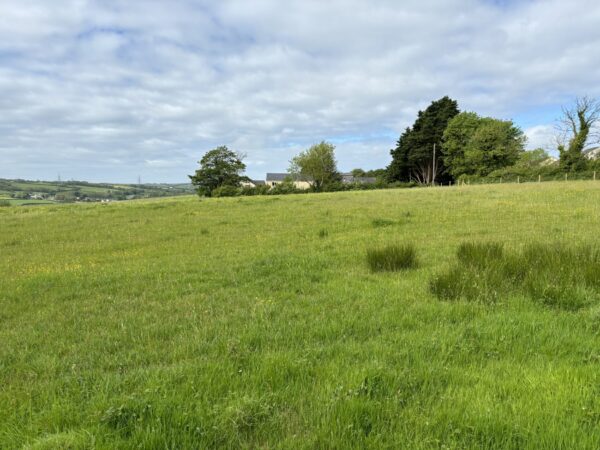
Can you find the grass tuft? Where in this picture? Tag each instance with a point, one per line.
(323, 233)
(556, 275)
(380, 223)
(392, 258)
(479, 254)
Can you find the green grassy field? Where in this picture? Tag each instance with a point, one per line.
(257, 323)
(19, 202)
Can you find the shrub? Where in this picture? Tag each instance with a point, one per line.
(403, 184)
(262, 189)
(4, 203)
(248, 190)
(287, 187)
(226, 191)
(392, 258)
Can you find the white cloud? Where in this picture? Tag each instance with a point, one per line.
(541, 136)
(108, 90)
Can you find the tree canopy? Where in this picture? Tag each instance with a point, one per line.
(474, 145)
(576, 127)
(412, 159)
(316, 164)
(218, 167)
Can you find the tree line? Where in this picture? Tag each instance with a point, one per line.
(443, 146)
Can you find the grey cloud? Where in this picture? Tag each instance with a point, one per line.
(105, 89)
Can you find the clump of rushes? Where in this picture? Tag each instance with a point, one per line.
(392, 258)
(555, 274)
(479, 254)
(323, 233)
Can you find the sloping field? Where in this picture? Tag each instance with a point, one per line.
(257, 323)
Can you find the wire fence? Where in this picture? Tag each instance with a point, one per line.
(539, 178)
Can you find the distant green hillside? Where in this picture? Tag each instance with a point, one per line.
(19, 192)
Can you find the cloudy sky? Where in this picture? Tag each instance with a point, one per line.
(106, 90)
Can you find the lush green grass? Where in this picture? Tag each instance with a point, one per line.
(392, 258)
(20, 202)
(557, 274)
(257, 323)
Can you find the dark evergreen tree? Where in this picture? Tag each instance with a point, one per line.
(412, 159)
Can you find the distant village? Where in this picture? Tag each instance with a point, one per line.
(273, 179)
(40, 192)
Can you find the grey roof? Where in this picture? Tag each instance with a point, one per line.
(277, 176)
(284, 176)
(258, 182)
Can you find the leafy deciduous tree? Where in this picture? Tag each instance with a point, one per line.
(533, 159)
(218, 167)
(316, 164)
(476, 145)
(576, 126)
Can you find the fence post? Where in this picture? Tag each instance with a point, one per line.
(594, 175)
(566, 177)
(539, 178)
(518, 180)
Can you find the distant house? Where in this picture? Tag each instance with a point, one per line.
(273, 179)
(252, 183)
(592, 153)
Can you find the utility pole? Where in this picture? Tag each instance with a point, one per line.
(433, 175)
(139, 180)
(59, 177)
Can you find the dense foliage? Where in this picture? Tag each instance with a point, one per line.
(218, 167)
(379, 174)
(316, 164)
(474, 145)
(577, 123)
(412, 159)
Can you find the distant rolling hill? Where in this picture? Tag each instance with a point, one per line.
(27, 192)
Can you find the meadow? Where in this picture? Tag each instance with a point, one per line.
(266, 322)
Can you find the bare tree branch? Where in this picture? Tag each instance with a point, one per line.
(580, 121)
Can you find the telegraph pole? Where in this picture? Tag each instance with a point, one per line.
(433, 165)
